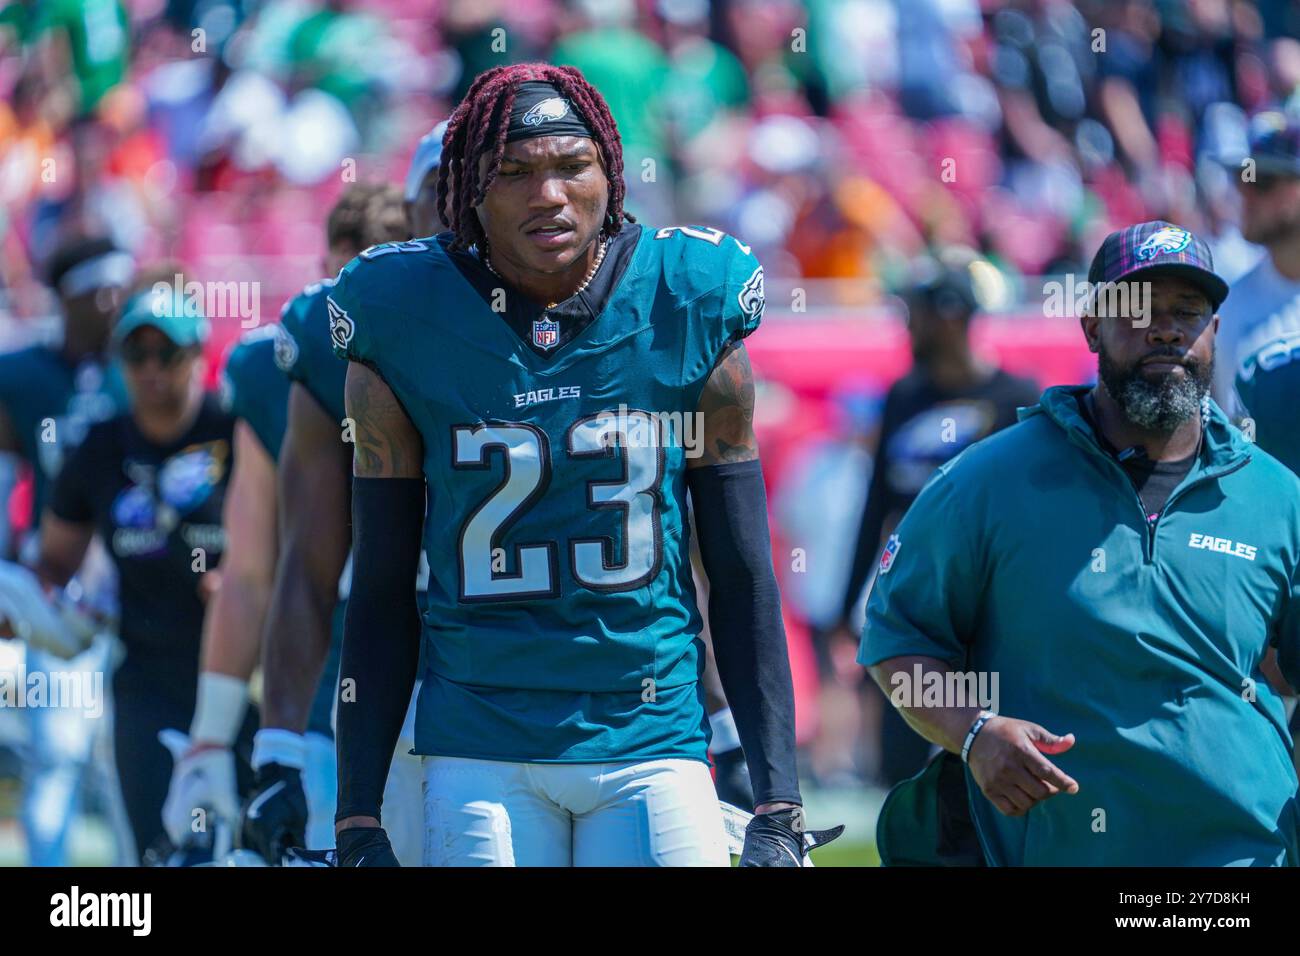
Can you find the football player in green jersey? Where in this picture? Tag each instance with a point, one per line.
(50, 396)
(1268, 382)
(548, 379)
(293, 799)
(256, 390)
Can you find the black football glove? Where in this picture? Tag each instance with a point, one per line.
(275, 817)
(731, 778)
(778, 839)
(365, 846)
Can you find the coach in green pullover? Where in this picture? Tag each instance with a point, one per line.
(1122, 560)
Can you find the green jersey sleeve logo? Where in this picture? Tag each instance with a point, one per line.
(750, 296)
(286, 349)
(342, 327)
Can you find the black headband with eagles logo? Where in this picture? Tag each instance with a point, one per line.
(540, 109)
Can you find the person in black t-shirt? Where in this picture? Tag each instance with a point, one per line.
(151, 483)
(949, 400)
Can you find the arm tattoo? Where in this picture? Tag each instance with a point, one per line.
(727, 409)
(387, 444)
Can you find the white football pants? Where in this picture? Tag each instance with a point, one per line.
(637, 813)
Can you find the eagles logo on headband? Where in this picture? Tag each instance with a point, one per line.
(549, 109)
(540, 110)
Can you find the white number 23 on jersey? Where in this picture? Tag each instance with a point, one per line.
(595, 561)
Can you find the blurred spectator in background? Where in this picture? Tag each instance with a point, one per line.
(95, 187)
(84, 42)
(150, 483)
(420, 194)
(481, 34)
(50, 396)
(703, 80)
(630, 69)
(949, 400)
(839, 138)
(1265, 302)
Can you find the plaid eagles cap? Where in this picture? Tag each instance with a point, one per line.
(1157, 248)
(170, 314)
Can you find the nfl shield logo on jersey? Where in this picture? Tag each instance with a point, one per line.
(546, 334)
(891, 551)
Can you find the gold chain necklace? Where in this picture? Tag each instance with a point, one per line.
(591, 273)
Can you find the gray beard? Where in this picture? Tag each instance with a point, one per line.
(1158, 407)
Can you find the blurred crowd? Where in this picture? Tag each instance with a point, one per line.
(840, 138)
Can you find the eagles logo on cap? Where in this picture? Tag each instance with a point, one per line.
(1164, 241)
(1157, 247)
(554, 108)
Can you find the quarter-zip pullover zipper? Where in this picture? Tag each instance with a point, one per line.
(1149, 538)
(1089, 444)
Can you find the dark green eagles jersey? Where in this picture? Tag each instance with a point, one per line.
(254, 387)
(52, 405)
(1268, 384)
(306, 320)
(306, 324)
(561, 622)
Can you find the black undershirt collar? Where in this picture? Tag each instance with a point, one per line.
(572, 316)
(1154, 481)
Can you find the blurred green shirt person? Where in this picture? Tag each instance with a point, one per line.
(98, 38)
(630, 70)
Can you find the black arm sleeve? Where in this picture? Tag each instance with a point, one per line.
(381, 637)
(866, 549)
(69, 497)
(730, 506)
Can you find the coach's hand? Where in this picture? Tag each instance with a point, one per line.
(365, 846)
(275, 817)
(1007, 762)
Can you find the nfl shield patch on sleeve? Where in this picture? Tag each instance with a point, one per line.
(890, 553)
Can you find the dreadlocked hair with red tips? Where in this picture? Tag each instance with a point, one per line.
(479, 125)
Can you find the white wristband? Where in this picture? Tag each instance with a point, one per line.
(725, 736)
(276, 745)
(981, 719)
(218, 709)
